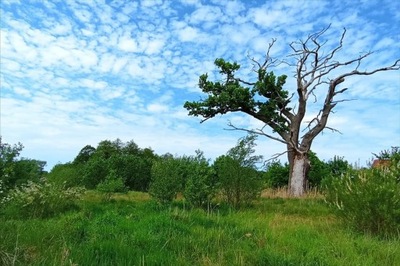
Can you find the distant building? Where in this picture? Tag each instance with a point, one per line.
(380, 163)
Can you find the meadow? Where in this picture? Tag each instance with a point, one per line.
(133, 229)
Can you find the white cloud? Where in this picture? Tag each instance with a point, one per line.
(127, 44)
(125, 68)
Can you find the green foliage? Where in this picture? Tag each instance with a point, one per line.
(135, 170)
(110, 185)
(200, 185)
(239, 185)
(129, 162)
(391, 154)
(318, 170)
(368, 201)
(84, 155)
(265, 100)
(276, 175)
(69, 174)
(239, 181)
(16, 171)
(338, 166)
(39, 200)
(28, 169)
(167, 179)
(94, 171)
(8, 157)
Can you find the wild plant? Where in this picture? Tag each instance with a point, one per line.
(368, 200)
(40, 199)
(110, 185)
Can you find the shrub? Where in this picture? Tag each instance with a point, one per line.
(110, 185)
(68, 173)
(276, 175)
(318, 170)
(368, 201)
(237, 174)
(166, 179)
(39, 200)
(239, 185)
(200, 185)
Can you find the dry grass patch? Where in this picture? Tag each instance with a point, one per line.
(272, 193)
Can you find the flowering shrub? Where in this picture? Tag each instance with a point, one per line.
(42, 199)
(2, 190)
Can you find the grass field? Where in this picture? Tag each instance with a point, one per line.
(134, 230)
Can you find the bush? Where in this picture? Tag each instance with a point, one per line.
(318, 171)
(200, 182)
(166, 179)
(110, 185)
(368, 201)
(39, 200)
(239, 185)
(237, 174)
(68, 173)
(276, 175)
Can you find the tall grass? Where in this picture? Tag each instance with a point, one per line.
(133, 230)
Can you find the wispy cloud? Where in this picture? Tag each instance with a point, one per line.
(77, 72)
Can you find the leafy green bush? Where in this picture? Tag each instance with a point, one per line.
(39, 200)
(166, 179)
(276, 175)
(318, 170)
(200, 185)
(369, 200)
(68, 173)
(110, 185)
(239, 185)
(237, 174)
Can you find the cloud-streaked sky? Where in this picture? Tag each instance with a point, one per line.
(77, 72)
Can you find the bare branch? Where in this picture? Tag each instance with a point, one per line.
(276, 155)
(334, 130)
(268, 61)
(256, 131)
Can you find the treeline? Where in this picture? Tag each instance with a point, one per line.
(116, 166)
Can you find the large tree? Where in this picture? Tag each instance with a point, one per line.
(316, 70)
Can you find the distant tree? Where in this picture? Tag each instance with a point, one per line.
(131, 163)
(8, 156)
(69, 174)
(338, 166)
(135, 170)
(15, 171)
(94, 171)
(84, 155)
(28, 170)
(106, 148)
(265, 99)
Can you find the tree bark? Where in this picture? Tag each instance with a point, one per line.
(298, 174)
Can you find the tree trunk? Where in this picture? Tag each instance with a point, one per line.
(298, 174)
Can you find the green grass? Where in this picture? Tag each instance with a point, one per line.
(134, 230)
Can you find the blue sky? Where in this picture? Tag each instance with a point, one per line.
(77, 72)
